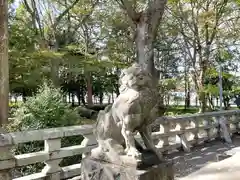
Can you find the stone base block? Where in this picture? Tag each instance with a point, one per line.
(158, 172)
(93, 169)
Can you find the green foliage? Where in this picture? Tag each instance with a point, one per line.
(44, 110)
(212, 89)
(229, 85)
(179, 110)
(169, 84)
(236, 90)
(213, 78)
(12, 109)
(28, 70)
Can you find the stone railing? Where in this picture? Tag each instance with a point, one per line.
(175, 132)
(52, 154)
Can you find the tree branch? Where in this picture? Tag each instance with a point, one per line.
(28, 7)
(128, 6)
(218, 17)
(59, 18)
(155, 12)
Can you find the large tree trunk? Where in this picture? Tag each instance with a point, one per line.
(89, 88)
(202, 100)
(4, 74)
(146, 24)
(198, 78)
(144, 46)
(55, 62)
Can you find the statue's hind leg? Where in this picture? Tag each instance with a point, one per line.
(147, 139)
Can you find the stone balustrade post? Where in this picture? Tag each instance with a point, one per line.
(166, 128)
(6, 158)
(52, 168)
(236, 121)
(229, 122)
(196, 123)
(224, 129)
(182, 137)
(89, 141)
(208, 130)
(238, 117)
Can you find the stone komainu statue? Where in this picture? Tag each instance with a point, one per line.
(133, 111)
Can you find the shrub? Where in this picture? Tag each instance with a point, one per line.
(45, 110)
(12, 109)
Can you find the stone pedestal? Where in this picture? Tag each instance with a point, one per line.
(93, 169)
(162, 171)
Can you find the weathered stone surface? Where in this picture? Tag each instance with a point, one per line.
(133, 111)
(93, 169)
(162, 171)
(52, 133)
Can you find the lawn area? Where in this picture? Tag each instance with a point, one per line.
(178, 110)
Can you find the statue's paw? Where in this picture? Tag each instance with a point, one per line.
(126, 150)
(113, 145)
(97, 152)
(134, 153)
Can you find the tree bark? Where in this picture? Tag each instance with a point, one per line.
(4, 72)
(54, 64)
(72, 97)
(144, 45)
(210, 99)
(146, 24)
(202, 94)
(89, 88)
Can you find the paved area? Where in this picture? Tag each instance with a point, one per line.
(201, 163)
(228, 169)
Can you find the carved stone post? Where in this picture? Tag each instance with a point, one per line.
(209, 123)
(236, 121)
(89, 141)
(166, 127)
(196, 122)
(52, 168)
(224, 129)
(6, 158)
(183, 139)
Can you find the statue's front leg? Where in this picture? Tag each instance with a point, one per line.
(148, 141)
(127, 132)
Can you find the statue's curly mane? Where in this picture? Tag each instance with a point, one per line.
(135, 77)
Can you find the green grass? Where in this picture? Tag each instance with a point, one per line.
(178, 110)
